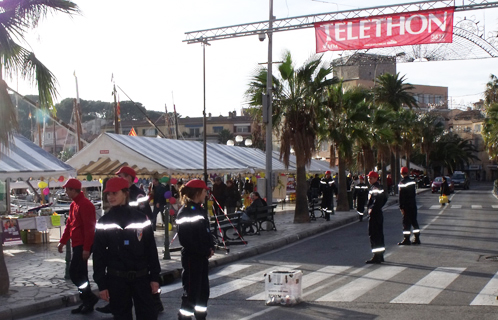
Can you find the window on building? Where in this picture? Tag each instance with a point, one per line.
(324, 146)
(438, 99)
(243, 129)
(477, 128)
(217, 129)
(150, 132)
(195, 132)
(427, 98)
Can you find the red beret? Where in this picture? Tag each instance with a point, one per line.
(404, 170)
(361, 177)
(196, 183)
(72, 184)
(327, 172)
(373, 174)
(129, 171)
(116, 184)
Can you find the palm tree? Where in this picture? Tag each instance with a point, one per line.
(491, 92)
(296, 114)
(428, 129)
(453, 152)
(490, 130)
(17, 17)
(346, 123)
(393, 92)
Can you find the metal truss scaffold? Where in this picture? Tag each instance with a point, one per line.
(308, 21)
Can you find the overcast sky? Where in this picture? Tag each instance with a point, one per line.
(140, 42)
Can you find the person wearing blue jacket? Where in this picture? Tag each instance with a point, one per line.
(195, 237)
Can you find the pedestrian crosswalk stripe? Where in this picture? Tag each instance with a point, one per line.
(311, 279)
(222, 273)
(495, 206)
(358, 287)
(456, 206)
(435, 207)
(425, 290)
(245, 281)
(487, 296)
(476, 206)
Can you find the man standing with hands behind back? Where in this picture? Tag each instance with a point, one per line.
(80, 228)
(408, 207)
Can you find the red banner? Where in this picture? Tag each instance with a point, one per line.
(401, 29)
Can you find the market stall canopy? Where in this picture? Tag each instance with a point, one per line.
(412, 166)
(316, 166)
(149, 156)
(24, 159)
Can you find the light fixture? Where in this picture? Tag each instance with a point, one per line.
(248, 142)
(230, 143)
(239, 138)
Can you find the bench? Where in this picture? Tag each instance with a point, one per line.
(227, 225)
(261, 216)
(314, 205)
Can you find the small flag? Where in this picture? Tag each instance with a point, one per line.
(132, 133)
(30, 115)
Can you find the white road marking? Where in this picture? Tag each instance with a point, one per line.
(222, 273)
(435, 207)
(425, 290)
(359, 287)
(456, 206)
(487, 296)
(495, 206)
(476, 206)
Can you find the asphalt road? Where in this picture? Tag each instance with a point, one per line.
(452, 275)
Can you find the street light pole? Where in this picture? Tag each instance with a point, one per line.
(269, 125)
(204, 134)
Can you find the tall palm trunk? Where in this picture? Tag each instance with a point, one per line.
(342, 198)
(301, 214)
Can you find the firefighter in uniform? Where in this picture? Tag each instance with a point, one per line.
(328, 188)
(140, 201)
(361, 196)
(80, 228)
(198, 246)
(376, 200)
(125, 260)
(408, 207)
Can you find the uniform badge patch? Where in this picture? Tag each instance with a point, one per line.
(140, 233)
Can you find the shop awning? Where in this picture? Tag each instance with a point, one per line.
(24, 160)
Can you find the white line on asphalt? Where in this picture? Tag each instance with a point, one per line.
(425, 290)
(359, 287)
(222, 273)
(311, 279)
(246, 281)
(435, 207)
(495, 206)
(456, 206)
(487, 296)
(476, 206)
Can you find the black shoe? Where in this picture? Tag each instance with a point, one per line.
(416, 241)
(104, 309)
(89, 304)
(405, 242)
(374, 260)
(77, 310)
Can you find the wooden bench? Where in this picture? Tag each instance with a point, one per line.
(314, 205)
(261, 216)
(227, 225)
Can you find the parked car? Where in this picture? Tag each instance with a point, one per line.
(460, 180)
(436, 184)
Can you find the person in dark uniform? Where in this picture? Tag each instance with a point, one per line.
(139, 200)
(198, 246)
(159, 200)
(220, 194)
(125, 260)
(315, 187)
(376, 200)
(328, 188)
(80, 228)
(360, 196)
(248, 186)
(408, 207)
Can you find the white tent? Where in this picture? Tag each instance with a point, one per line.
(412, 166)
(24, 160)
(148, 156)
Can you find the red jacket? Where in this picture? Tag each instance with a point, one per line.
(80, 225)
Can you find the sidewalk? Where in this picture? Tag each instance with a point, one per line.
(36, 272)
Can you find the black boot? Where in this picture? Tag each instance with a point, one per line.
(78, 310)
(406, 241)
(104, 309)
(417, 238)
(376, 259)
(361, 217)
(89, 301)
